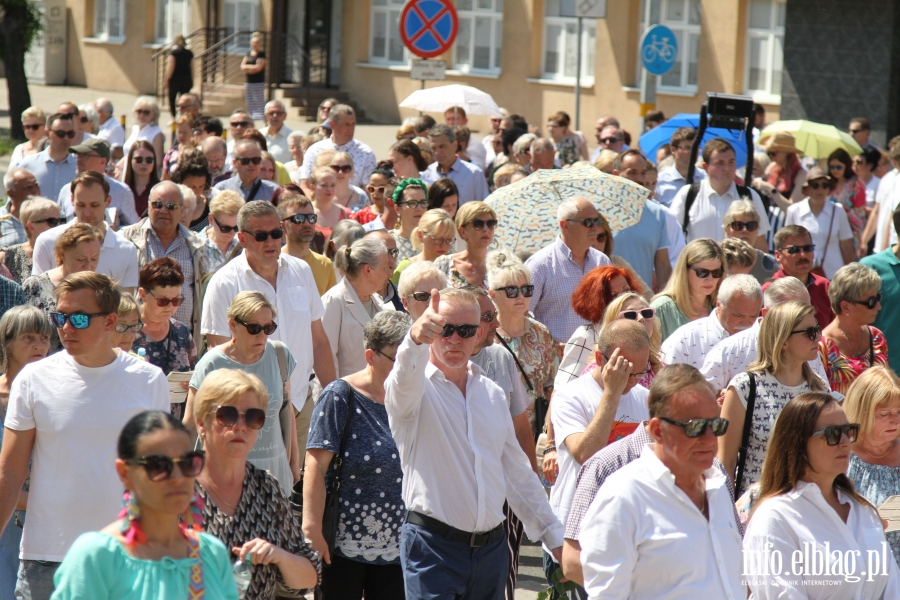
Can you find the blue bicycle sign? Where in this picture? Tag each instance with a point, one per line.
(659, 49)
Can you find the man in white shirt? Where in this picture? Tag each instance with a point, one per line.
(110, 130)
(118, 256)
(276, 133)
(94, 155)
(714, 197)
(672, 179)
(469, 179)
(343, 128)
(475, 150)
(460, 460)
(663, 526)
(738, 304)
(67, 410)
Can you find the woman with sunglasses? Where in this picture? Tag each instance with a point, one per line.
(382, 204)
(784, 172)
(350, 417)
(140, 174)
(848, 191)
(873, 401)
(788, 338)
(37, 215)
(411, 199)
(146, 114)
(346, 194)
(809, 507)
(741, 221)
(433, 237)
(221, 243)
(33, 121)
(329, 213)
(251, 320)
(475, 225)
(850, 344)
(76, 250)
(691, 291)
(153, 550)
(243, 505)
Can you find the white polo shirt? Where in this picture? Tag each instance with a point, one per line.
(828, 246)
(689, 343)
(118, 256)
(708, 210)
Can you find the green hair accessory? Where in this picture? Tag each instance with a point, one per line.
(406, 183)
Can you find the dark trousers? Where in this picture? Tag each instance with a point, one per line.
(515, 535)
(176, 89)
(436, 568)
(347, 579)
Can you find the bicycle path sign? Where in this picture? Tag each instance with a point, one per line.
(428, 27)
(659, 49)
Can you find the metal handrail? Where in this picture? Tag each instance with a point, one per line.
(217, 70)
(166, 47)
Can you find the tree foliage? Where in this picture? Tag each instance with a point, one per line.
(20, 24)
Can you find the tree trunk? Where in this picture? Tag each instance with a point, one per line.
(12, 22)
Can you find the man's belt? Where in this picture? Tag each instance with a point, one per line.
(470, 538)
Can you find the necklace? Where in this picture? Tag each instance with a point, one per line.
(890, 447)
(218, 495)
(853, 345)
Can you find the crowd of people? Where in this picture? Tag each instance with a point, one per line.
(365, 395)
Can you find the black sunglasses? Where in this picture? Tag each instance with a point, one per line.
(52, 221)
(261, 236)
(697, 427)
(704, 273)
(513, 291)
(225, 228)
(255, 329)
(393, 252)
(141, 159)
(632, 315)
(341, 168)
(240, 123)
(465, 331)
(311, 218)
(246, 161)
(421, 296)
(227, 416)
(33, 127)
(64, 134)
(741, 226)
(869, 302)
(834, 433)
(609, 140)
(481, 223)
(122, 328)
(797, 249)
(812, 333)
(159, 467)
(172, 206)
(589, 223)
(78, 320)
(815, 185)
(83, 119)
(638, 374)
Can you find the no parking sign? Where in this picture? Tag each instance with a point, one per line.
(428, 27)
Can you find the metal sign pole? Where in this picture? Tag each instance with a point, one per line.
(578, 79)
(648, 95)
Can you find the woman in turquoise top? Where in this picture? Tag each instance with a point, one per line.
(152, 551)
(691, 291)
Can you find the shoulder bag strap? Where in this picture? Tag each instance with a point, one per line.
(339, 459)
(518, 364)
(282, 366)
(871, 347)
(834, 208)
(745, 437)
(254, 190)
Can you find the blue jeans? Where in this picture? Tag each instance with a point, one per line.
(35, 579)
(9, 555)
(436, 568)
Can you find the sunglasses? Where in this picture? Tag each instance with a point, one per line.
(122, 328)
(421, 296)
(376, 190)
(812, 333)
(261, 236)
(246, 161)
(513, 291)
(52, 221)
(835, 167)
(141, 159)
(489, 317)
(704, 273)
(83, 119)
(609, 140)
(227, 416)
(162, 302)
(815, 185)
(393, 252)
(64, 134)
(741, 226)
(34, 127)
(341, 168)
(855, 130)
(869, 302)
(240, 123)
(465, 331)
(589, 223)
(440, 241)
(198, 132)
(602, 237)
(834, 433)
(225, 228)
(808, 248)
(256, 329)
(632, 315)
(415, 204)
(171, 206)
(78, 320)
(159, 467)
(142, 111)
(311, 218)
(481, 224)
(697, 427)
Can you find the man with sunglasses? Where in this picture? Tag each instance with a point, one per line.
(94, 155)
(299, 221)
(67, 410)
(239, 122)
(20, 185)
(460, 459)
(246, 180)
(795, 252)
(469, 179)
(672, 511)
(54, 167)
(277, 133)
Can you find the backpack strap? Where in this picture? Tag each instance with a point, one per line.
(688, 203)
(745, 437)
(282, 366)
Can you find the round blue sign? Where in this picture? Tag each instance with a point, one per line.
(659, 49)
(428, 27)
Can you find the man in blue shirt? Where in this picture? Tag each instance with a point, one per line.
(54, 167)
(469, 179)
(246, 181)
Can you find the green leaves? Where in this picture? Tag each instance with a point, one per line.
(559, 589)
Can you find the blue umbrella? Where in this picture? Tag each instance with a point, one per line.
(654, 139)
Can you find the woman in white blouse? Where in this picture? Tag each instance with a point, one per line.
(808, 507)
(146, 113)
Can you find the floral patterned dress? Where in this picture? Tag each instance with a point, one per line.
(404, 246)
(457, 280)
(842, 370)
(852, 196)
(877, 483)
(174, 353)
(536, 352)
(17, 261)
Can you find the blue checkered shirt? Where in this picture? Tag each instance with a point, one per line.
(180, 251)
(12, 231)
(11, 294)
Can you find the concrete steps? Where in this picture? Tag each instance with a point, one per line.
(296, 97)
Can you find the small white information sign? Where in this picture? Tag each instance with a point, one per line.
(428, 70)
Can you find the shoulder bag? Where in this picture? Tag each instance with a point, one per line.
(541, 405)
(820, 270)
(745, 437)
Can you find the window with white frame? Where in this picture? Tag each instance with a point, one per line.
(765, 49)
(172, 17)
(560, 56)
(683, 18)
(385, 44)
(240, 15)
(109, 19)
(480, 37)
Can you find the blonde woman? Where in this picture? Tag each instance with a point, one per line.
(873, 401)
(691, 291)
(329, 212)
(221, 243)
(37, 215)
(433, 238)
(788, 339)
(146, 117)
(475, 224)
(33, 121)
(346, 194)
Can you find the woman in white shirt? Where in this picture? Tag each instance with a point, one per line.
(33, 122)
(146, 113)
(808, 507)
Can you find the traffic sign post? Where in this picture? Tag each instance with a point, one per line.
(659, 51)
(584, 9)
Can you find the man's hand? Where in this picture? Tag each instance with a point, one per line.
(429, 326)
(616, 372)
(550, 467)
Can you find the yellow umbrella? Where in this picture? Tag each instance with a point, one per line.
(816, 140)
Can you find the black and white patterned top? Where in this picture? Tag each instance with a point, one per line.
(17, 262)
(263, 512)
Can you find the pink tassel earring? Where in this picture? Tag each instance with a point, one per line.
(131, 524)
(192, 518)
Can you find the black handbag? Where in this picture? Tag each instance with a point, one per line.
(745, 437)
(541, 405)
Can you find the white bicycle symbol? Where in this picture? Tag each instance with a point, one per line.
(661, 49)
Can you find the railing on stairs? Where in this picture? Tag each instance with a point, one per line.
(197, 41)
(300, 68)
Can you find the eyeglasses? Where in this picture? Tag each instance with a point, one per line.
(246, 161)
(465, 331)
(609, 140)
(421, 296)
(632, 315)
(792, 250)
(638, 374)
(225, 228)
(122, 328)
(834, 433)
(261, 236)
(440, 241)
(489, 317)
(835, 167)
(256, 329)
(697, 427)
(414, 204)
(376, 190)
(240, 123)
(163, 302)
(704, 273)
(852, 131)
(142, 111)
(83, 119)
(812, 333)
(513, 291)
(589, 223)
(51, 221)
(481, 224)
(198, 132)
(227, 416)
(602, 237)
(64, 134)
(815, 185)
(159, 467)
(393, 252)
(869, 302)
(342, 169)
(311, 218)
(33, 127)
(171, 206)
(742, 225)
(390, 358)
(78, 320)
(275, 113)
(140, 159)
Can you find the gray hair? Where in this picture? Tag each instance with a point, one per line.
(257, 209)
(35, 206)
(340, 110)
(104, 105)
(9, 181)
(740, 208)
(386, 329)
(274, 104)
(504, 268)
(523, 144)
(349, 260)
(166, 186)
(243, 143)
(213, 142)
(148, 102)
(745, 285)
(542, 146)
(91, 113)
(296, 135)
(568, 209)
(850, 283)
(343, 234)
(188, 197)
(785, 289)
(441, 130)
(416, 273)
(17, 321)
